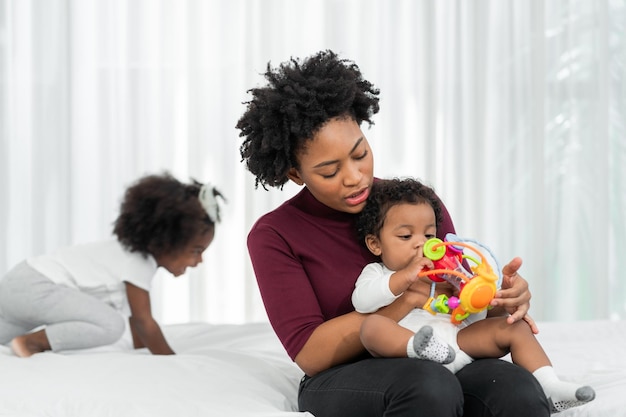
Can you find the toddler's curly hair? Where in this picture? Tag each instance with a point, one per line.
(387, 193)
(159, 214)
(299, 98)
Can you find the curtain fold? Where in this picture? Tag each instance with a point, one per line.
(515, 112)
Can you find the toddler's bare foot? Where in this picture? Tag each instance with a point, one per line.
(27, 345)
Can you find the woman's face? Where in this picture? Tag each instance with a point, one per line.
(337, 166)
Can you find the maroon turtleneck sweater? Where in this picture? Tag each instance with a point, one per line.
(306, 257)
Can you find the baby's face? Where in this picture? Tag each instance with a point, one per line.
(405, 229)
(190, 256)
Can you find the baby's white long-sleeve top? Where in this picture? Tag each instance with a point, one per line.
(371, 290)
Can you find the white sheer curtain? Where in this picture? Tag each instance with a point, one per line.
(514, 111)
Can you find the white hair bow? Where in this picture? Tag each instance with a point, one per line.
(208, 200)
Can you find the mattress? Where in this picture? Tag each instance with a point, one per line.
(242, 370)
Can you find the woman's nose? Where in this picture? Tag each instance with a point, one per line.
(353, 175)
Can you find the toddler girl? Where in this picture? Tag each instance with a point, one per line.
(81, 296)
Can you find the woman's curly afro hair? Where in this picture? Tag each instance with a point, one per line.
(160, 214)
(388, 193)
(299, 98)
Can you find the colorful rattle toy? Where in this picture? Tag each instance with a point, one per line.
(476, 288)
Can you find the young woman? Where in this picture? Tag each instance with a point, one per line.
(304, 126)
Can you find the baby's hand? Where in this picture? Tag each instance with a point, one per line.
(403, 278)
(417, 265)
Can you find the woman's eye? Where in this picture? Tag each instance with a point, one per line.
(329, 175)
(363, 155)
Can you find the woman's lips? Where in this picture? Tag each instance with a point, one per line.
(358, 198)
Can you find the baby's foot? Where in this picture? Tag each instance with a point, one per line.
(427, 346)
(562, 395)
(569, 395)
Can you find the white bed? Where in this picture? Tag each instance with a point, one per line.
(242, 370)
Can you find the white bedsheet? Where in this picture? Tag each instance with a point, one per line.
(220, 370)
(242, 370)
(593, 353)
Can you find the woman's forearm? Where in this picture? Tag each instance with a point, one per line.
(337, 341)
(333, 342)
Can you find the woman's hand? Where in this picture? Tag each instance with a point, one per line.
(514, 296)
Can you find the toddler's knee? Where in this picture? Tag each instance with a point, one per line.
(115, 329)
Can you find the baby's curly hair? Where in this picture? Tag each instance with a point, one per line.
(299, 98)
(388, 193)
(160, 214)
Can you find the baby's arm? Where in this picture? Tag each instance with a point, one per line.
(378, 287)
(402, 279)
(371, 290)
(145, 330)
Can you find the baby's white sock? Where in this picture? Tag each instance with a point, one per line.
(425, 345)
(562, 395)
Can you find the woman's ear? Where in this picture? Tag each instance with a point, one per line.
(294, 176)
(373, 244)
